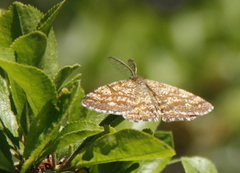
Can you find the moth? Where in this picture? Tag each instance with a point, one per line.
(140, 99)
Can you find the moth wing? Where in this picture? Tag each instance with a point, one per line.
(176, 104)
(115, 98)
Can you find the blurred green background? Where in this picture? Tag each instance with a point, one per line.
(191, 44)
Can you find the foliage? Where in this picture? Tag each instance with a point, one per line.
(42, 123)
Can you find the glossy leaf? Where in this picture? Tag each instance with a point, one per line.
(158, 164)
(28, 17)
(20, 19)
(121, 146)
(32, 46)
(37, 85)
(5, 155)
(146, 166)
(6, 114)
(76, 131)
(198, 165)
(43, 130)
(116, 167)
(152, 165)
(63, 74)
(73, 106)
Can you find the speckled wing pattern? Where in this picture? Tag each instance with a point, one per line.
(176, 104)
(140, 99)
(124, 98)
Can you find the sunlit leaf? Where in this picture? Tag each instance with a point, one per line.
(198, 165)
(28, 17)
(7, 53)
(121, 146)
(47, 20)
(37, 85)
(32, 46)
(6, 115)
(76, 131)
(63, 74)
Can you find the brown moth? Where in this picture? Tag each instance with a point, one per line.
(140, 99)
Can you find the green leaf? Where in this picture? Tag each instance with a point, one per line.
(9, 28)
(23, 19)
(5, 155)
(63, 74)
(28, 17)
(43, 131)
(40, 126)
(198, 165)
(158, 164)
(167, 137)
(4, 164)
(6, 114)
(76, 131)
(138, 126)
(35, 83)
(121, 146)
(69, 103)
(30, 48)
(7, 54)
(92, 115)
(19, 98)
(116, 167)
(49, 63)
(152, 165)
(47, 20)
(20, 19)
(72, 104)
